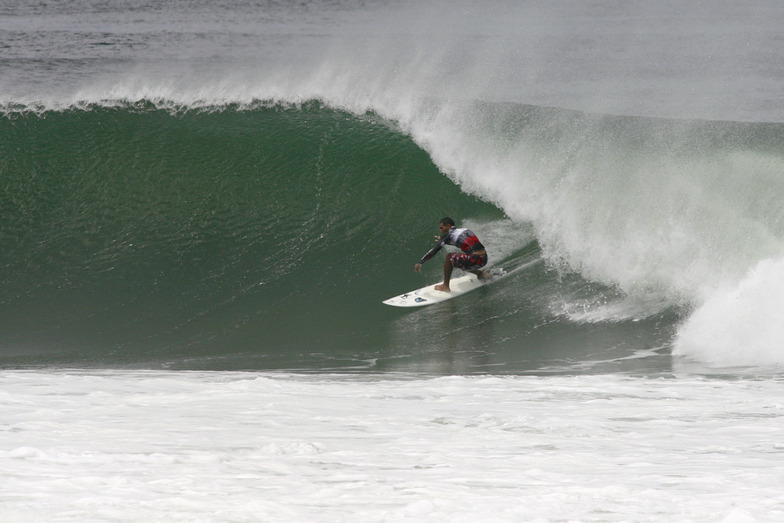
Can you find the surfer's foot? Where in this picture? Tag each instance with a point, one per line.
(442, 287)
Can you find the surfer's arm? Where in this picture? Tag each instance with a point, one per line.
(432, 252)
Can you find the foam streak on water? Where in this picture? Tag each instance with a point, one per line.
(279, 447)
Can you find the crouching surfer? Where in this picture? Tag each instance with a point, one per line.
(472, 256)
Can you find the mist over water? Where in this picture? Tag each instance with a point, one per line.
(714, 61)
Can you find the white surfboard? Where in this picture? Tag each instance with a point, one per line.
(429, 295)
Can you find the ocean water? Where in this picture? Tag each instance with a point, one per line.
(203, 205)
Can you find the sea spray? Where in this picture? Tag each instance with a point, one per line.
(653, 206)
(741, 325)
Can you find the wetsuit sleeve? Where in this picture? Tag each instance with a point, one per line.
(432, 252)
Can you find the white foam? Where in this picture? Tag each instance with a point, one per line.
(501, 237)
(741, 325)
(141, 446)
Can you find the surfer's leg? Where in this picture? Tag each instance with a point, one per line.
(477, 262)
(447, 275)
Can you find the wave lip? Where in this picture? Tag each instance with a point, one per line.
(739, 326)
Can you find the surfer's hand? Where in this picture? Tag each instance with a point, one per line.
(417, 267)
(437, 237)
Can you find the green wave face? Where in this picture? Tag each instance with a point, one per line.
(139, 234)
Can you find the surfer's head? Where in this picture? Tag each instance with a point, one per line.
(446, 224)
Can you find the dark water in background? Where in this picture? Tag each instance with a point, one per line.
(238, 185)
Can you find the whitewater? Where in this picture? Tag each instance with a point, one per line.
(142, 446)
(204, 203)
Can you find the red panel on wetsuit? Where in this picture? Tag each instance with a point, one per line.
(469, 242)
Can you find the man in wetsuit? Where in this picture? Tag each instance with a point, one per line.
(472, 256)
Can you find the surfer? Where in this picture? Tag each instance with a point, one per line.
(472, 256)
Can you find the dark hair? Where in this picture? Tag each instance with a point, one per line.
(448, 221)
